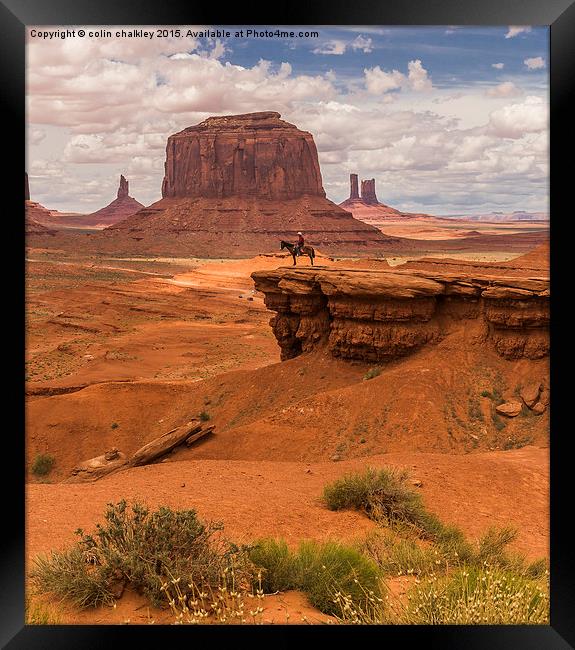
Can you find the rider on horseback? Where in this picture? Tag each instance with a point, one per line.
(300, 244)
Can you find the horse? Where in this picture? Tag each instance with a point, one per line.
(305, 250)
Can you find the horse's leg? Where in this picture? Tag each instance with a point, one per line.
(311, 259)
(293, 255)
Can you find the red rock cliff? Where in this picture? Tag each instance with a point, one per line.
(256, 154)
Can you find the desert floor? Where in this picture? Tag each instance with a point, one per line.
(135, 342)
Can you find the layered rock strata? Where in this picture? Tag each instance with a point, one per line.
(379, 315)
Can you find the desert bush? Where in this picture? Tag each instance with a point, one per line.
(478, 596)
(323, 571)
(204, 416)
(68, 575)
(384, 496)
(372, 372)
(40, 614)
(396, 555)
(43, 464)
(145, 549)
(328, 569)
(278, 564)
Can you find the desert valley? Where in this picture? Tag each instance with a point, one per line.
(177, 357)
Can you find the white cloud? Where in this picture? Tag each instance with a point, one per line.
(505, 89)
(515, 30)
(418, 78)
(515, 120)
(498, 66)
(35, 136)
(331, 47)
(377, 81)
(108, 108)
(362, 43)
(535, 63)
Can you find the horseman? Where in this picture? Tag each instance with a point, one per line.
(299, 244)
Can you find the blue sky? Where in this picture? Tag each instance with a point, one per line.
(447, 119)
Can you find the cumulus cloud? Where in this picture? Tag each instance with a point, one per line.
(112, 109)
(498, 66)
(515, 30)
(363, 44)
(418, 78)
(331, 47)
(535, 63)
(515, 120)
(379, 82)
(505, 89)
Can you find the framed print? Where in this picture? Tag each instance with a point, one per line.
(285, 320)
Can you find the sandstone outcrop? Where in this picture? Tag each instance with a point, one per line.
(256, 154)
(379, 315)
(120, 208)
(235, 186)
(368, 195)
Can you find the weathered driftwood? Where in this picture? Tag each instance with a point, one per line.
(200, 434)
(164, 443)
(95, 468)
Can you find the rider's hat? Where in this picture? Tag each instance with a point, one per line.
(298, 232)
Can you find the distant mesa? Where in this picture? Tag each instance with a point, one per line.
(35, 213)
(234, 186)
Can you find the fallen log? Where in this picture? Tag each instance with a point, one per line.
(95, 468)
(200, 434)
(164, 444)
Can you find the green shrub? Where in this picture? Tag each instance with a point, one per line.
(321, 571)
(372, 372)
(204, 416)
(43, 464)
(278, 564)
(145, 549)
(328, 569)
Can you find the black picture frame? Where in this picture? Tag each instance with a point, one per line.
(15, 15)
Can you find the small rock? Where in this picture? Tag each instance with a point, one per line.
(509, 409)
(112, 454)
(530, 393)
(308, 471)
(250, 299)
(183, 485)
(417, 483)
(89, 357)
(335, 457)
(539, 408)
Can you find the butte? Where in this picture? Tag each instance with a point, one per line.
(235, 186)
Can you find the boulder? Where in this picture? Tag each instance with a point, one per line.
(530, 393)
(509, 409)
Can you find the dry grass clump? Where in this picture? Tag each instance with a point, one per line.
(144, 549)
(384, 495)
(479, 596)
